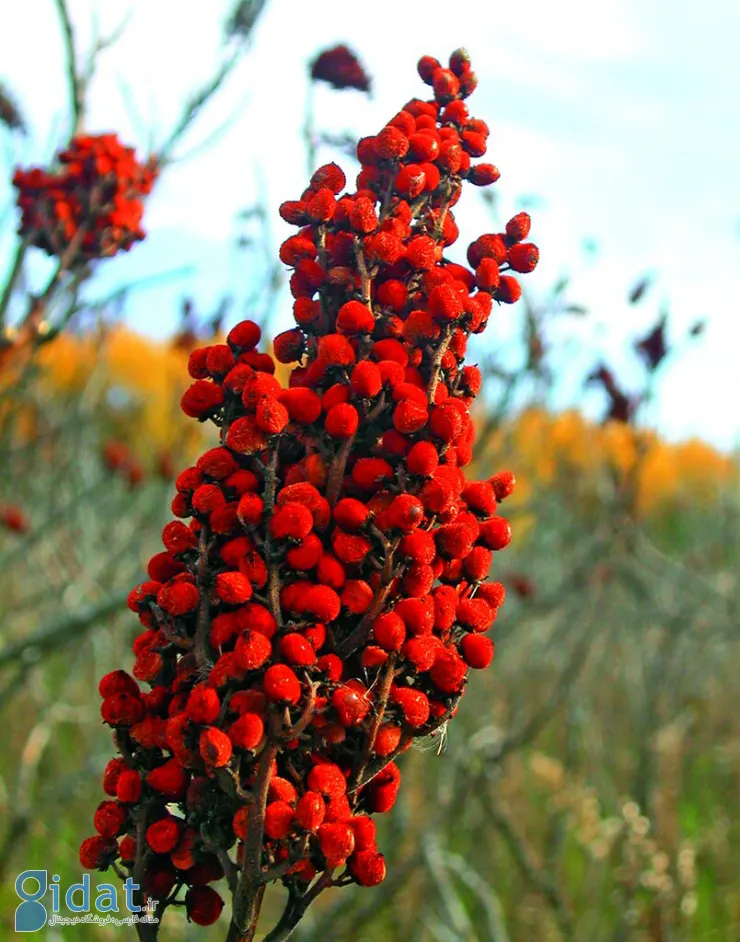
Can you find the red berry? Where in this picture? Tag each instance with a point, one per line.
(203, 905)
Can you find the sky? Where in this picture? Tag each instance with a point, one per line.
(616, 124)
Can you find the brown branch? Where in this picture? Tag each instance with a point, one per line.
(336, 474)
(382, 702)
(229, 867)
(355, 638)
(296, 908)
(291, 732)
(364, 276)
(280, 869)
(435, 372)
(201, 644)
(248, 895)
(147, 931)
(268, 499)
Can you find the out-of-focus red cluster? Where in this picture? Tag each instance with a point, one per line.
(118, 459)
(92, 205)
(340, 68)
(13, 518)
(322, 592)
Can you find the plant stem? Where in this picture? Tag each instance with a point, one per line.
(250, 889)
(204, 622)
(76, 87)
(13, 275)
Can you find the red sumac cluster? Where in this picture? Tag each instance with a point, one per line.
(322, 592)
(91, 206)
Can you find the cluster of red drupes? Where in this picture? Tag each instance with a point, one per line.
(92, 206)
(340, 68)
(321, 608)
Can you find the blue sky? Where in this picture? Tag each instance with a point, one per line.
(622, 117)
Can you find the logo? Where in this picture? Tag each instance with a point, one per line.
(33, 886)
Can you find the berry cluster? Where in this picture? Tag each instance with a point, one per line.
(119, 460)
(13, 518)
(92, 206)
(321, 608)
(340, 68)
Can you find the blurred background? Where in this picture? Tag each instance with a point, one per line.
(585, 791)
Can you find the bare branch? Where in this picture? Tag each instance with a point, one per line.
(63, 631)
(75, 80)
(539, 879)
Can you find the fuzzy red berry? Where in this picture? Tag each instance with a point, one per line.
(164, 835)
(327, 779)
(215, 747)
(366, 380)
(387, 739)
(96, 852)
(252, 650)
(509, 290)
(496, 533)
(391, 143)
(368, 867)
(503, 484)
(342, 421)
(355, 318)
(477, 651)
(448, 672)
(310, 811)
(303, 405)
(423, 459)
(178, 598)
(109, 818)
(523, 257)
(414, 704)
(292, 520)
(278, 820)
(203, 705)
(281, 684)
(203, 905)
(517, 228)
(202, 399)
(169, 779)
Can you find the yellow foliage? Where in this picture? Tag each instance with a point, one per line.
(545, 448)
(144, 380)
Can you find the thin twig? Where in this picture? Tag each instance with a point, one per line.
(435, 371)
(539, 879)
(203, 624)
(384, 690)
(336, 473)
(196, 104)
(13, 275)
(296, 908)
(62, 631)
(559, 693)
(76, 85)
